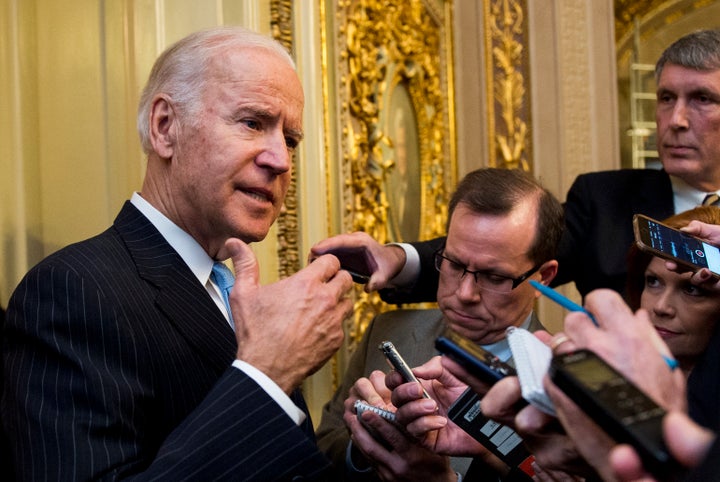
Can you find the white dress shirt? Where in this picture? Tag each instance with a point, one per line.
(201, 265)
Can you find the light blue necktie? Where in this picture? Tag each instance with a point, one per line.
(224, 279)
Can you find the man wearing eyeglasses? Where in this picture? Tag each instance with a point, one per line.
(504, 229)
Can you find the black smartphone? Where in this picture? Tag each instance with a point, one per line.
(357, 261)
(670, 243)
(616, 405)
(478, 361)
(396, 361)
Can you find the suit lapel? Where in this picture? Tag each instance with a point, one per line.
(180, 297)
(654, 195)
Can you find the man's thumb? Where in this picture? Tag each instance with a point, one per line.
(244, 262)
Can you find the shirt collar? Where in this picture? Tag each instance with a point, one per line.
(501, 349)
(685, 196)
(189, 250)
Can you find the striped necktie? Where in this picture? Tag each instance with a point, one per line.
(224, 279)
(711, 200)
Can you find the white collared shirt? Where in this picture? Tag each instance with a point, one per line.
(201, 265)
(501, 349)
(686, 197)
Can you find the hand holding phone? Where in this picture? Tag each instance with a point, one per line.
(357, 261)
(616, 405)
(397, 362)
(479, 362)
(669, 243)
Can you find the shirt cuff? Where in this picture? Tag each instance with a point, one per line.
(410, 272)
(272, 389)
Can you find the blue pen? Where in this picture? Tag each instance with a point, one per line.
(560, 299)
(572, 306)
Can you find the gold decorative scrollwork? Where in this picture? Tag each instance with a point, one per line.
(392, 48)
(508, 72)
(287, 223)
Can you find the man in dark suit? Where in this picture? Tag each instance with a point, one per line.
(600, 206)
(503, 230)
(121, 356)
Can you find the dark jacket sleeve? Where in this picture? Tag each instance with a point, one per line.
(425, 287)
(82, 398)
(598, 224)
(332, 434)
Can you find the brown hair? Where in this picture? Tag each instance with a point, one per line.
(496, 191)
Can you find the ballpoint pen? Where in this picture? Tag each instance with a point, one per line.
(566, 303)
(572, 306)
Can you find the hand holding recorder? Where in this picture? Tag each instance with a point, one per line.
(379, 442)
(631, 347)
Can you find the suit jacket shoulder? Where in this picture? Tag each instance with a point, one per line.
(598, 224)
(117, 363)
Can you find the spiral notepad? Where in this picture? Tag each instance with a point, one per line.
(532, 359)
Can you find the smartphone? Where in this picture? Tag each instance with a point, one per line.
(478, 361)
(357, 261)
(670, 243)
(397, 362)
(616, 405)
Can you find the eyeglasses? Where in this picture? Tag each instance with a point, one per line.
(485, 280)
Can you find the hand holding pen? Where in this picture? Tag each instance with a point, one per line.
(574, 307)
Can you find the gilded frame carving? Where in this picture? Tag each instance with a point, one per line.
(288, 233)
(394, 75)
(508, 91)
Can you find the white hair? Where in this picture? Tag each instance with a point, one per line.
(181, 71)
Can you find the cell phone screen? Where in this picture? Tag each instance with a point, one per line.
(676, 244)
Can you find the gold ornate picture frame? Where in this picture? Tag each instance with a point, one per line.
(391, 69)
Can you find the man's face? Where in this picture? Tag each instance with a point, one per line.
(492, 244)
(230, 173)
(688, 125)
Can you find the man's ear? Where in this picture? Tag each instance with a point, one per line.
(163, 126)
(548, 271)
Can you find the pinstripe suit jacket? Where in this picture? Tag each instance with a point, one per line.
(117, 363)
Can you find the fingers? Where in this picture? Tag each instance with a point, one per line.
(687, 441)
(530, 420)
(351, 240)
(420, 416)
(327, 267)
(385, 260)
(561, 343)
(372, 389)
(459, 373)
(707, 232)
(500, 401)
(244, 262)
